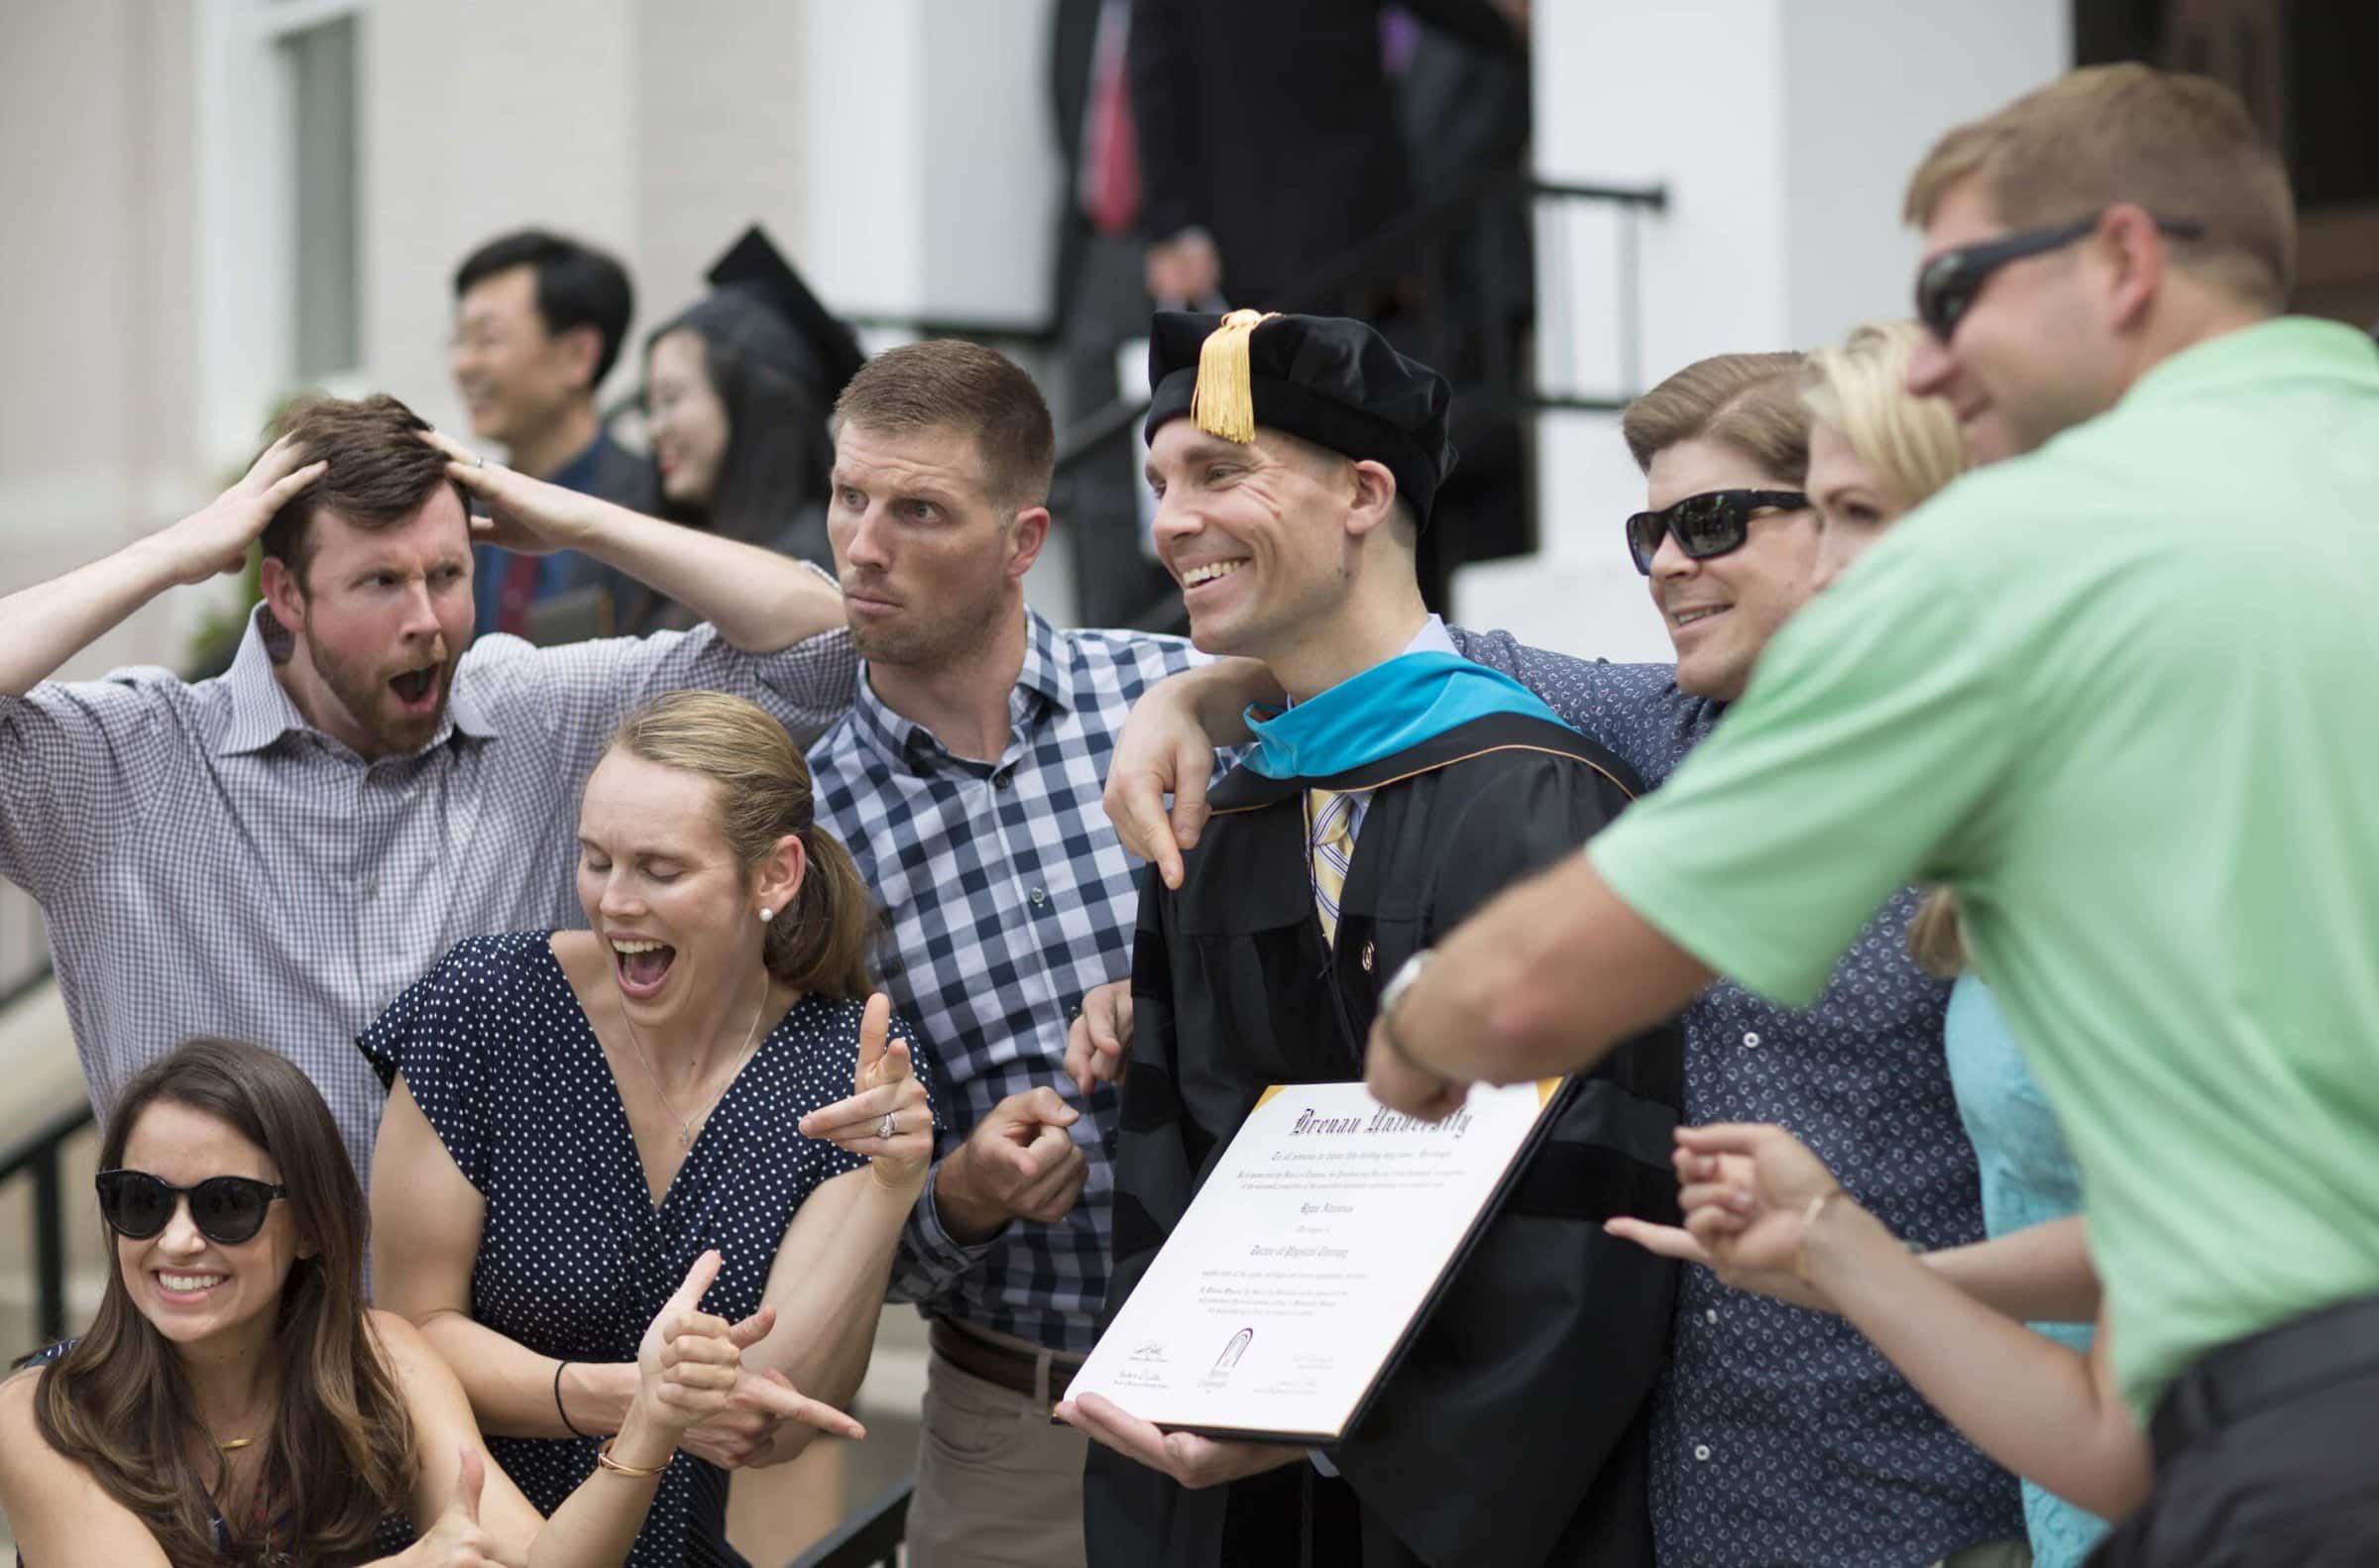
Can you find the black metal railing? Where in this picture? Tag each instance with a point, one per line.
(870, 1538)
(37, 1154)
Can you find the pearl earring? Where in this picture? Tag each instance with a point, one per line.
(766, 913)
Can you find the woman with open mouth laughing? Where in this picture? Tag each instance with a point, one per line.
(576, 1116)
(234, 1400)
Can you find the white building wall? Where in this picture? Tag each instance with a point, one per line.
(900, 150)
(95, 261)
(1783, 130)
(480, 118)
(1886, 78)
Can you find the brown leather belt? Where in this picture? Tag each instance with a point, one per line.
(1012, 1370)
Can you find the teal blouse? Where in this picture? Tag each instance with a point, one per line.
(2028, 1179)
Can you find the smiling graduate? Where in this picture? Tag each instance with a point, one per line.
(1294, 460)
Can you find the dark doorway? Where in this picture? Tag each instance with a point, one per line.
(2308, 71)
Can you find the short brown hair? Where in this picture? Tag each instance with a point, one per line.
(2181, 147)
(821, 942)
(1749, 402)
(947, 384)
(380, 470)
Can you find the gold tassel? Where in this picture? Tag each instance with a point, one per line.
(1224, 401)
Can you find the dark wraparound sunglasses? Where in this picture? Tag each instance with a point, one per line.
(1704, 525)
(226, 1209)
(1946, 284)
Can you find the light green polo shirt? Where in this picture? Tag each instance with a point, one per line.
(2123, 694)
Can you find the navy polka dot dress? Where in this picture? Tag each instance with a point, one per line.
(575, 1260)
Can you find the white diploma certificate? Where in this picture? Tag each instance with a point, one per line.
(1307, 1260)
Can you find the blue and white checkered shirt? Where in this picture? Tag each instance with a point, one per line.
(1009, 896)
(209, 864)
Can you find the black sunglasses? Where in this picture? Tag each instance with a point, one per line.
(1704, 525)
(1946, 284)
(226, 1209)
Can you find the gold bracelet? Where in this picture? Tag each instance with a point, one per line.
(602, 1457)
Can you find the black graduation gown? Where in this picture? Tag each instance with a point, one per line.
(1515, 1432)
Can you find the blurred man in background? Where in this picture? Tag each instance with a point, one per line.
(538, 321)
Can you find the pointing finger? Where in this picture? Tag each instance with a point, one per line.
(470, 1477)
(778, 1397)
(1190, 767)
(1669, 1241)
(1112, 1023)
(1137, 807)
(1078, 1054)
(1727, 1138)
(874, 1025)
(698, 1280)
(752, 1329)
(1050, 1108)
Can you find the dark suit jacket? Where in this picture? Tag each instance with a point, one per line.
(1073, 37)
(1270, 123)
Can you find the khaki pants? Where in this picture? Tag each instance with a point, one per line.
(999, 1485)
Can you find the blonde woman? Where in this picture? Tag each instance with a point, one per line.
(1875, 454)
(573, 1115)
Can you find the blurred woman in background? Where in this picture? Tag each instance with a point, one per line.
(739, 439)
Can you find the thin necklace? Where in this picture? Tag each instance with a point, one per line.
(225, 1445)
(685, 1125)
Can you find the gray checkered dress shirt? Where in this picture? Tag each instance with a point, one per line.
(1008, 897)
(208, 864)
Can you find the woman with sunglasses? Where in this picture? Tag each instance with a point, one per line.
(235, 1401)
(1875, 454)
(575, 1114)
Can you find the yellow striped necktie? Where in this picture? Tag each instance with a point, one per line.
(1331, 847)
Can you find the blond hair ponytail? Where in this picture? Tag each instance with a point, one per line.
(821, 941)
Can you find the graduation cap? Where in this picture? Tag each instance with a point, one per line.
(1332, 380)
(754, 264)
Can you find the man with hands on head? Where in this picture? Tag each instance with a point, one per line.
(1296, 460)
(2083, 689)
(366, 785)
(965, 781)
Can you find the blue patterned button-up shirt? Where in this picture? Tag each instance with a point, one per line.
(1780, 1435)
(1008, 897)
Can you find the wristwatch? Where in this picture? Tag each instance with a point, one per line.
(1401, 981)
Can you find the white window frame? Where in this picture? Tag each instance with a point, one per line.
(243, 170)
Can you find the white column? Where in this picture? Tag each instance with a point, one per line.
(1783, 130)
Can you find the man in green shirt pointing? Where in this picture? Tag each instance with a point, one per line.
(2117, 691)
